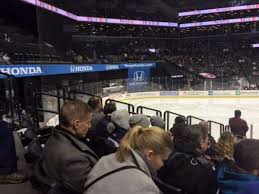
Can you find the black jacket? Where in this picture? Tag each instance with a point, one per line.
(8, 160)
(101, 128)
(188, 169)
(193, 174)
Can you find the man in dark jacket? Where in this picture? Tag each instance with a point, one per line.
(66, 160)
(237, 125)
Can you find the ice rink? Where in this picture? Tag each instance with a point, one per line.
(216, 109)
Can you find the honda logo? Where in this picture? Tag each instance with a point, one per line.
(139, 76)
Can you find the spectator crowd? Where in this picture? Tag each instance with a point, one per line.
(95, 150)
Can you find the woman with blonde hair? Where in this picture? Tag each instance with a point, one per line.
(141, 153)
(225, 147)
(224, 157)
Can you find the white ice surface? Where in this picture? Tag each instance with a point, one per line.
(220, 109)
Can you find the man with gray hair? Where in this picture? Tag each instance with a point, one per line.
(67, 160)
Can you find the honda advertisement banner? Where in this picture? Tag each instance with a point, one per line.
(24, 70)
(138, 79)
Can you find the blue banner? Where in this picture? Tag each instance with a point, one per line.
(138, 78)
(59, 69)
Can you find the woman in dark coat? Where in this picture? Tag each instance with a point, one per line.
(188, 168)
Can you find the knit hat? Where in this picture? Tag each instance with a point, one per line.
(140, 120)
(121, 118)
(157, 122)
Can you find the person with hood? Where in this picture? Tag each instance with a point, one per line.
(139, 120)
(242, 176)
(188, 168)
(141, 153)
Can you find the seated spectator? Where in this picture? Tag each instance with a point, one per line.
(8, 159)
(237, 125)
(100, 143)
(119, 125)
(225, 147)
(101, 127)
(210, 152)
(66, 160)
(243, 176)
(188, 168)
(97, 115)
(157, 121)
(139, 120)
(179, 123)
(141, 153)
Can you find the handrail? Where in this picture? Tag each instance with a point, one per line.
(36, 109)
(166, 118)
(140, 111)
(84, 93)
(131, 108)
(220, 124)
(227, 128)
(189, 119)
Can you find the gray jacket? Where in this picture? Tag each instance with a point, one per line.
(67, 160)
(130, 181)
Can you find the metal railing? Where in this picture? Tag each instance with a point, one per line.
(40, 107)
(129, 107)
(191, 118)
(221, 126)
(141, 109)
(226, 128)
(84, 96)
(167, 119)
